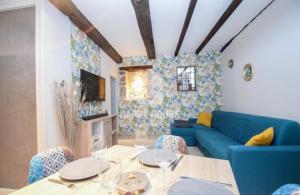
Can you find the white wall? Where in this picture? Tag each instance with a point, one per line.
(52, 63)
(16, 4)
(55, 65)
(272, 44)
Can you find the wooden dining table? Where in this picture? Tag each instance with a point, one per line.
(210, 169)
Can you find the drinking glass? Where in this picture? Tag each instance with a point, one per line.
(141, 141)
(112, 176)
(98, 148)
(163, 161)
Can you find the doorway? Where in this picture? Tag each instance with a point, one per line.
(113, 95)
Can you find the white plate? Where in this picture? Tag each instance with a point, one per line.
(197, 187)
(151, 157)
(81, 169)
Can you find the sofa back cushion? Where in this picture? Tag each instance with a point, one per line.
(242, 127)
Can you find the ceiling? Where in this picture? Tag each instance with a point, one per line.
(116, 21)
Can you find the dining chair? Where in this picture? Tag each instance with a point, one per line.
(172, 143)
(288, 189)
(49, 162)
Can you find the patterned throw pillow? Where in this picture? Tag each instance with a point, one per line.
(49, 162)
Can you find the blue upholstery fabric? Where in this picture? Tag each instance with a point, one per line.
(159, 142)
(36, 170)
(189, 140)
(261, 170)
(48, 162)
(192, 120)
(186, 133)
(287, 189)
(215, 142)
(182, 131)
(201, 127)
(257, 170)
(173, 143)
(242, 127)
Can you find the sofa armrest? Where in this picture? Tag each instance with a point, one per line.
(192, 120)
(263, 169)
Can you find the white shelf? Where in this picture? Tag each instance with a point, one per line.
(106, 127)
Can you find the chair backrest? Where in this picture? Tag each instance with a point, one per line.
(49, 162)
(172, 143)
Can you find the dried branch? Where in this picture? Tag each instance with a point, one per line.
(68, 104)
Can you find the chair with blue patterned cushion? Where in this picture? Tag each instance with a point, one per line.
(172, 143)
(49, 162)
(288, 189)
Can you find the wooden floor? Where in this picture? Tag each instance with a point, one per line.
(129, 141)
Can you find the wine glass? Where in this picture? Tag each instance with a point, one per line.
(112, 176)
(163, 160)
(140, 142)
(98, 148)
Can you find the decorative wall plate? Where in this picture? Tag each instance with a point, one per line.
(230, 63)
(248, 72)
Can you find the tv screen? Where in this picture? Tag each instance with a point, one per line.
(93, 85)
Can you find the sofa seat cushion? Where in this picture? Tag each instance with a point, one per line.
(215, 142)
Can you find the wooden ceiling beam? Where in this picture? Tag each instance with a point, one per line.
(187, 20)
(143, 16)
(229, 42)
(68, 8)
(231, 8)
(135, 68)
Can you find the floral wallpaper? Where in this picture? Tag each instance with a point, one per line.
(85, 54)
(154, 115)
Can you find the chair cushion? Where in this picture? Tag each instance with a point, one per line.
(287, 189)
(49, 162)
(215, 142)
(172, 143)
(36, 170)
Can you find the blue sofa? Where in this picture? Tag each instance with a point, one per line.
(257, 169)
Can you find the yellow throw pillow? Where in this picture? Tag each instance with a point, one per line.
(204, 118)
(265, 138)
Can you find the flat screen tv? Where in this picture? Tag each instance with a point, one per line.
(93, 85)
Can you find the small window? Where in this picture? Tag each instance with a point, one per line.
(186, 78)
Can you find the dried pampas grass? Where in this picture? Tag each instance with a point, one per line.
(68, 104)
